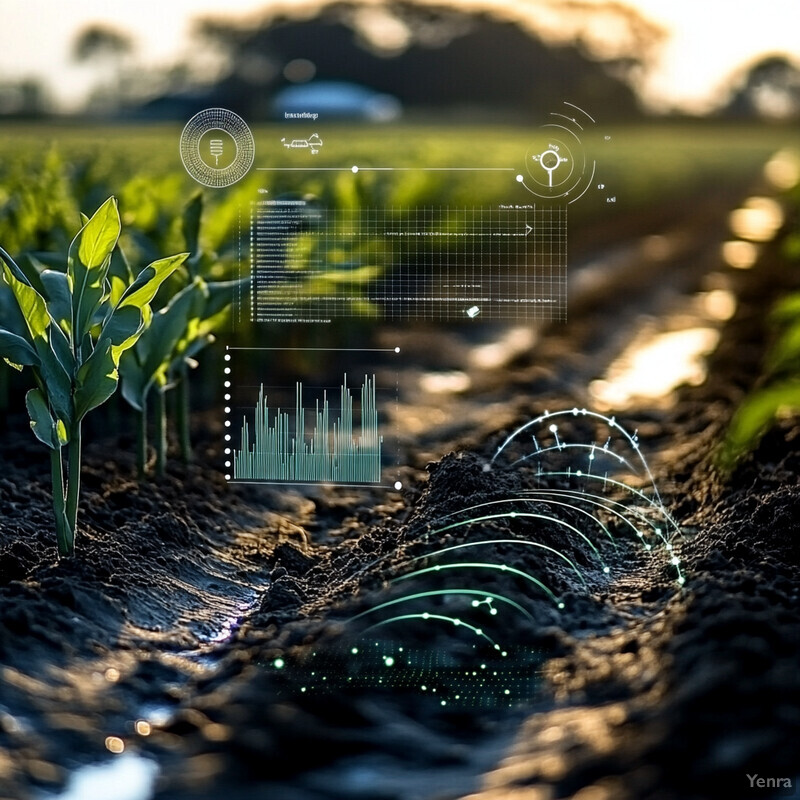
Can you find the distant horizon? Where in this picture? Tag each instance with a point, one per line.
(707, 44)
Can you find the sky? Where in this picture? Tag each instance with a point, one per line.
(707, 40)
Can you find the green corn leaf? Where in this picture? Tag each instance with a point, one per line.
(753, 418)
(88, 263)
(786, 309)
(785, 352)
(221, 294)
(31, 304)
(31, 268)
(59, 299)
(132, 313)
(120, 276)
(16, 351)
(96, 380)
(124, 323)
(142, 291)
(9, 311)
(147, 362)
(99, 236)
(47, 430)
(117, 288)
(57, 378)
(134, 382)
(192, 213)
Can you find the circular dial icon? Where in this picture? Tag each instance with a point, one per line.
(217, 147)
(556, 164)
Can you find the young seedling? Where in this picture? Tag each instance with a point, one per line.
(72, 335)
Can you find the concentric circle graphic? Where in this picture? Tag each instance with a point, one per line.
(557, 167)
(217, 147)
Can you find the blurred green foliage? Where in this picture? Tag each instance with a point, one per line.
(778, 389)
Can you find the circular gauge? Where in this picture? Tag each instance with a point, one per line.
(217, 147)
(556, 164)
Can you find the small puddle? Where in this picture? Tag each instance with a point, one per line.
(211, 633)
(126, 777)
(652, 369)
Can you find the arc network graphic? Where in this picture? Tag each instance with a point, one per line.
(487, 574)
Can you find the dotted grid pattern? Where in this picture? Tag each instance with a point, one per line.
(232, 124)
(436, 263)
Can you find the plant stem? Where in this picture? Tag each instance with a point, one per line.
(184, 411)
(141, 440)
(65, 538)
(74, 478)
(161, 431)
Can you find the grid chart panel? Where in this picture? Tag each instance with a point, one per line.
(311, 264)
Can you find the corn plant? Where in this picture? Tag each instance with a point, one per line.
(161, 358)
(164, 354)
(71, 330)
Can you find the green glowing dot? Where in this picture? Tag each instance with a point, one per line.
(483, 666)
(606, 570)
(478, 632)
(303, 689)
(444, 702)
(456, 622)
(354, 650)
(475, 603)
(278, 663)
(493, 611)
(561, 605)
(388, 660)
(426, 615)
(507, 691)
(579, 473)
(676, 561)
(681, 580)
(504, 654)
(424, 688)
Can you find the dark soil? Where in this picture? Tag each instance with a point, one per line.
(220, 617)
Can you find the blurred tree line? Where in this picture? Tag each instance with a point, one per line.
(431, 58)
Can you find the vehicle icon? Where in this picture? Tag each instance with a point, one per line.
(313, 143)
